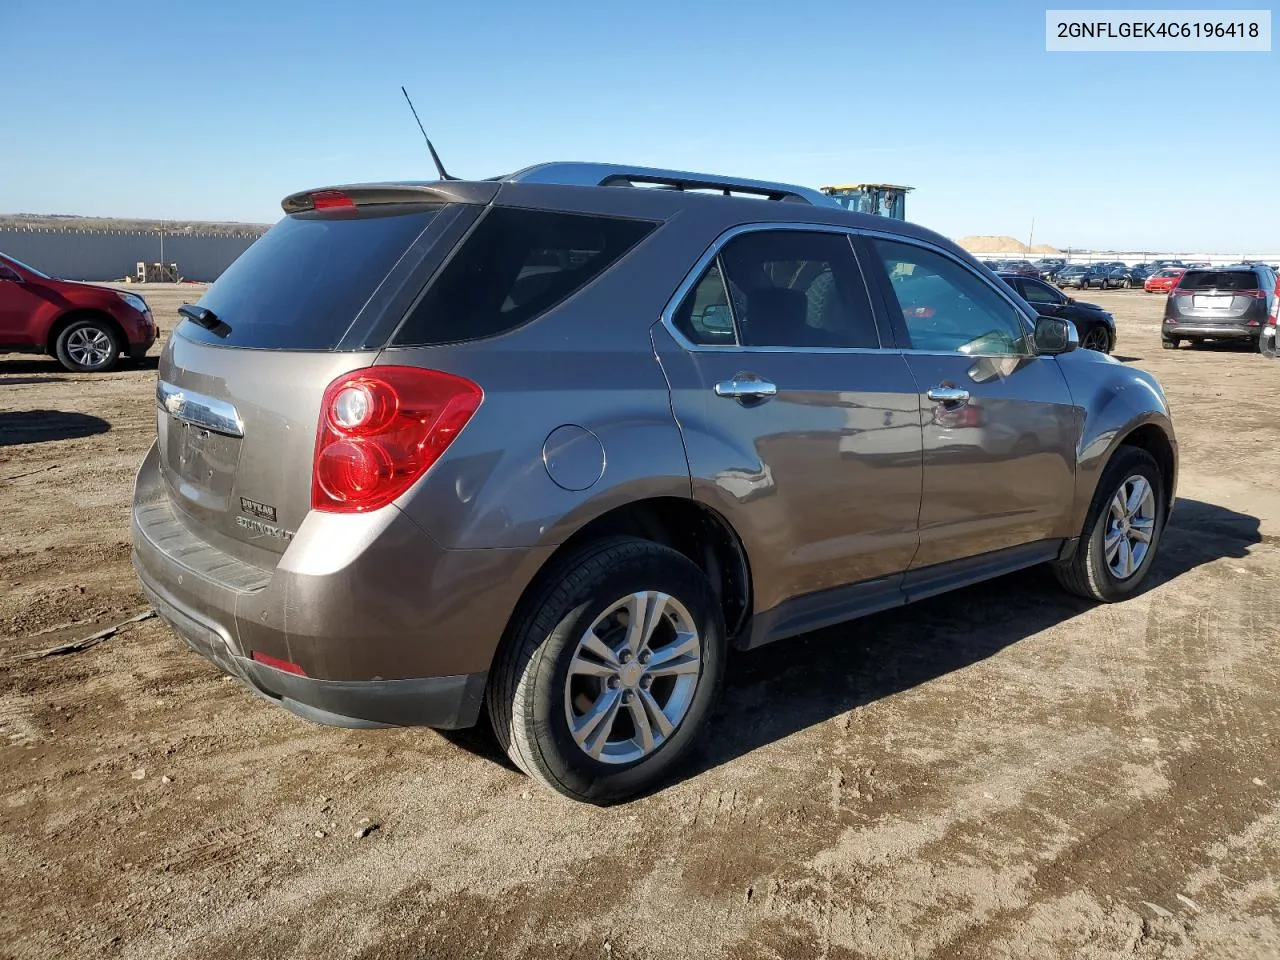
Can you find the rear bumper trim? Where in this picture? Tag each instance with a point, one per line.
(1233, 331)
(445, 703)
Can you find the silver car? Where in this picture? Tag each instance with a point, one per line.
(551, 446)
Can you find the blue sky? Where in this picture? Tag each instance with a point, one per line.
(218, 114)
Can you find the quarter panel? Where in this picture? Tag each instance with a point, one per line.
(493, 488)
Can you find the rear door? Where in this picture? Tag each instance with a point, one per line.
(1000, 428)
(239, 405)
(800, 428)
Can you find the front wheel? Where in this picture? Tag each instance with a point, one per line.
(608, 672)
(88, 346)
(1096, 338)
(1122, 531)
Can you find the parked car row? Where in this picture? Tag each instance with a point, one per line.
(1104, 276)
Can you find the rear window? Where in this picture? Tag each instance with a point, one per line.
(304, 281)
(1219, 279)
(516, 265)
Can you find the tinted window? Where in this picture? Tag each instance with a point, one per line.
(1033, 291)
(302, 283)
(947, 307)
(516, 265)
(791, 288)
(704, 316)
(1221, 279)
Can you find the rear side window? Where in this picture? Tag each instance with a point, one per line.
(516, 265)
(1220, 279)
(797, 289)
(302, 283)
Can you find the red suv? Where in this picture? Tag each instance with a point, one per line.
(85, 327)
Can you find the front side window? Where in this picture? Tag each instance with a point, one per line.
(797, 289)
(946, 307)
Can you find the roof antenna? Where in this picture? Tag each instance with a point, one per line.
(444, 175)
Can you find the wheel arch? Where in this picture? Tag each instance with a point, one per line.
(685, 525)
(1152, 438)
(69, 317)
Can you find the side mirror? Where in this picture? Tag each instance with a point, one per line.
(8, 273)
(1055, 335)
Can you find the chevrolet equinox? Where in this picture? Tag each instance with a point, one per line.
(552, 445)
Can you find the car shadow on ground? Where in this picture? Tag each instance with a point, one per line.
(786, 687)
(1221, 346)
(43, 426)
(47, 370)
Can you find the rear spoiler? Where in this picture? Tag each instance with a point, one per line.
(357, 195)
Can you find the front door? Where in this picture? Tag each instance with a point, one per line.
(17, 305)
(800, 430)
(1000, 427)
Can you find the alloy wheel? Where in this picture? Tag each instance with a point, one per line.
(1096, 339)
(89, 347)
(632, 677)
(1130, 527)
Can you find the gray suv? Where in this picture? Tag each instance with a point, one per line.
(551, 446)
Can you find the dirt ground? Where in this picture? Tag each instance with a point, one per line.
(1002, 772)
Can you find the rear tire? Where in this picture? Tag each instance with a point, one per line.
(1097, 570)
(88, 346)
(1170, 344)
(565, 658)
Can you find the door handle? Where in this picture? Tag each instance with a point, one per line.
(948, 395)
(744, 389)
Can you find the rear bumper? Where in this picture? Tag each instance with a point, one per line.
(443, 702)
(388, 627)
(1213, 331)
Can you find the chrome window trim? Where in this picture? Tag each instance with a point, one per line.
(199, 410)
(713, 251)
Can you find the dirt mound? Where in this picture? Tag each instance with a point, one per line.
(1003, 245)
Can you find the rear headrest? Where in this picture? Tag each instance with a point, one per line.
(775, 316)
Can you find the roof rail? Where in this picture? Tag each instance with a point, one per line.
(618, 175)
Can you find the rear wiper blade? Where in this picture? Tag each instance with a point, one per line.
(206, 318)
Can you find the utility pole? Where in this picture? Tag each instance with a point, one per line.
(1032, 235)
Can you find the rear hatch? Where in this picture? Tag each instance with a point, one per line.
(239, 392)
(1217, 296)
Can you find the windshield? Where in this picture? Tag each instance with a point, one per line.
(25, 266)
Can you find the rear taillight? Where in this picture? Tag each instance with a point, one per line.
(1181, 292)
(381, 429)
(1255, 294)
